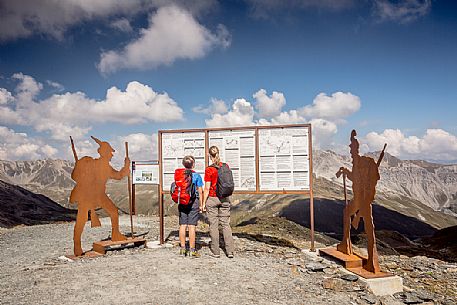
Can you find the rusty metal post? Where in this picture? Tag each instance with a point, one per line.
(161, 224)
(133, 192)
(129, 178)
(311, 193)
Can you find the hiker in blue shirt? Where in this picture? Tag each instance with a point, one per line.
(189, 214)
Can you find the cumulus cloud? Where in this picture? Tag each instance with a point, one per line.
(27, 88)
(5, 96)
(173, 34)
(404, 11)
(241, 113)
(52, 18)
(142, 147)
(269, 106)
(18, 146)
(325, 114)
(436, 144)
(335, 107)
(215, 106)
(73, 114)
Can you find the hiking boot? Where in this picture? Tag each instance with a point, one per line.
(194, 254)
(183, 252)
(230, 255)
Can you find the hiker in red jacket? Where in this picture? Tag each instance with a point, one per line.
(218, 209)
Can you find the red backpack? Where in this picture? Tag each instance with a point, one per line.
(183, 190)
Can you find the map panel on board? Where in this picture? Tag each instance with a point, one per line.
(175, 146)
(237, 149)
(284, 159)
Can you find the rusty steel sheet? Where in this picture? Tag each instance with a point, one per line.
(364, 176)
(89, 193)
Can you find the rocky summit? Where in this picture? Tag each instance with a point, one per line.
(267, 269)
(413, 214)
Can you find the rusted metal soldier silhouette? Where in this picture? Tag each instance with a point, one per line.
(364, 177)
(89, 193)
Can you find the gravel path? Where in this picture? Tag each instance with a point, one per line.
(259, 273)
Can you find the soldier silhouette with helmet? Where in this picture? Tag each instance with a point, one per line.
(364, 177)
(89, 193)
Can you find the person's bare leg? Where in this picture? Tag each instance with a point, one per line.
(192, 236)
(111, 209)
(81, 219)
(182, 235)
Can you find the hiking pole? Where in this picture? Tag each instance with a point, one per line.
(130, 189)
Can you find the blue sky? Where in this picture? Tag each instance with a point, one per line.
(385, 68)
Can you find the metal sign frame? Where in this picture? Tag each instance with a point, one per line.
(134, 163)
(257, 167)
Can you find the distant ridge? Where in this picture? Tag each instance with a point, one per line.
(20, 206)
(424, 190)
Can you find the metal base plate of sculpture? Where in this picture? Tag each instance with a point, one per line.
(89, 193)
(364, 177)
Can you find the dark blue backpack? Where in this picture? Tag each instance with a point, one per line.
(225, 185)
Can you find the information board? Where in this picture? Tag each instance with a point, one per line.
(237, 149)
(284, 159)
(263, 159)
(145, 174)
(175, 146)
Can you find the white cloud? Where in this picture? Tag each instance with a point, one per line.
(122, 24)
(404, 11)
(55, 85)
(137, 104)
(142, 147)
(436, 144)
(215, 106)
(7, 115)
(335, 107)
(5, 96)
(18, 146)
(54, 17)
(242, 113)
(173, 34)
(269, 106)
(83, 147)
(73, 114)
(325, 114)
(27, 88)
(19, 19)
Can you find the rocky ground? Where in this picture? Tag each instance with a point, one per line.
(268, 268)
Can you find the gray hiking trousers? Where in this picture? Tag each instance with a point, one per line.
(219, 212)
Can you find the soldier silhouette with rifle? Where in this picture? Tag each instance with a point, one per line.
(89, 193)
(364, 177)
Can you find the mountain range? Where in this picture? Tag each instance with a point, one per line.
(422, 190)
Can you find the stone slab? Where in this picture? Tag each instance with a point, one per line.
(155, 244)
(384, 285)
